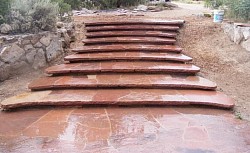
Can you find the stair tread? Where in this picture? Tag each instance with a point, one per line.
(128, 56)
(128, 47)
(133, 27)
(119, 97)
(130, 40)
(138, 21)
(147, 67)
(131, 33)
(122, 80)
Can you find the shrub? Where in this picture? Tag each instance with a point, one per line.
(214, 3)
(108, 4)
(102, 4)
(63, 6)
(239, 9)
(32, 15)
(4, 9)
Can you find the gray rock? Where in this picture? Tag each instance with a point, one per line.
(246, 44)
(229, 30)
(246, 32)
(54, 49)
(142, 8)
(35, 39)
(59, 25)
(28, 47)
(5, 28)
(40, 60)
(45, 40)
(38, 45)
(238, 36)
(5, 72)
(18, 65)
(30, 56)
(12, 53)
(25, 42)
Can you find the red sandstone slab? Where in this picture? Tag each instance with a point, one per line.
(140, 22)
(132, 27)
(119, 97)
(142, 67)
(122, 81)
(128, 47)
(142, 56)
(152, 40)
(131, 33)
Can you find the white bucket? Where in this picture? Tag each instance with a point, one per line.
(218, 16)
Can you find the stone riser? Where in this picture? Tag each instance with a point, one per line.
(143, 22)
(131, 33)
(128, 56)
(131, 40)
(128, 48)
(119, 97)
(132, 27)
(121, 67)
(122, 81)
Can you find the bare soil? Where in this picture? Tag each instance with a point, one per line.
(220, 60)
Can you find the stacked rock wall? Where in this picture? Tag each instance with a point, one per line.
(28, 51)
(238, 33)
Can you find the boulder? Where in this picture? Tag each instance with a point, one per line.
(238, 36)
(246, 32)
(40, 60)
(142, 8)
(30, 56)
(54, 49)
(38, 45)
(12, 53)
(17, 66)
(246, 45)
(45, 40)
(59, 25)
(5, 28)
(28, 47)
(5, 72)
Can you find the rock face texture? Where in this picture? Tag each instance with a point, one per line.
(34, 51)
(126, 69)
(238, 33)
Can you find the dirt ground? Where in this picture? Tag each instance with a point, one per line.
(220, 60)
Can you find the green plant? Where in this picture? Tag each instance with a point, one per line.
(4, 9)
(32, 15)
(63, 6)
(239, 9)
(111, 4)
(214, 3)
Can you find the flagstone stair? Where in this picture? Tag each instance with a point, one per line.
(124, 63)
(122, 81)
(127, 48)
(148, 40)
(131, 33)
(127, 56)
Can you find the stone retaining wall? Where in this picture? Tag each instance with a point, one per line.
(28, 51)
(238, 33)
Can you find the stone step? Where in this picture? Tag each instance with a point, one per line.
(119, 97)
(132, 27)
(128, 47)
(122, 81)
(147, 40)
(121, 67)
(138, 22)
(129, 56)
(131, 33)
